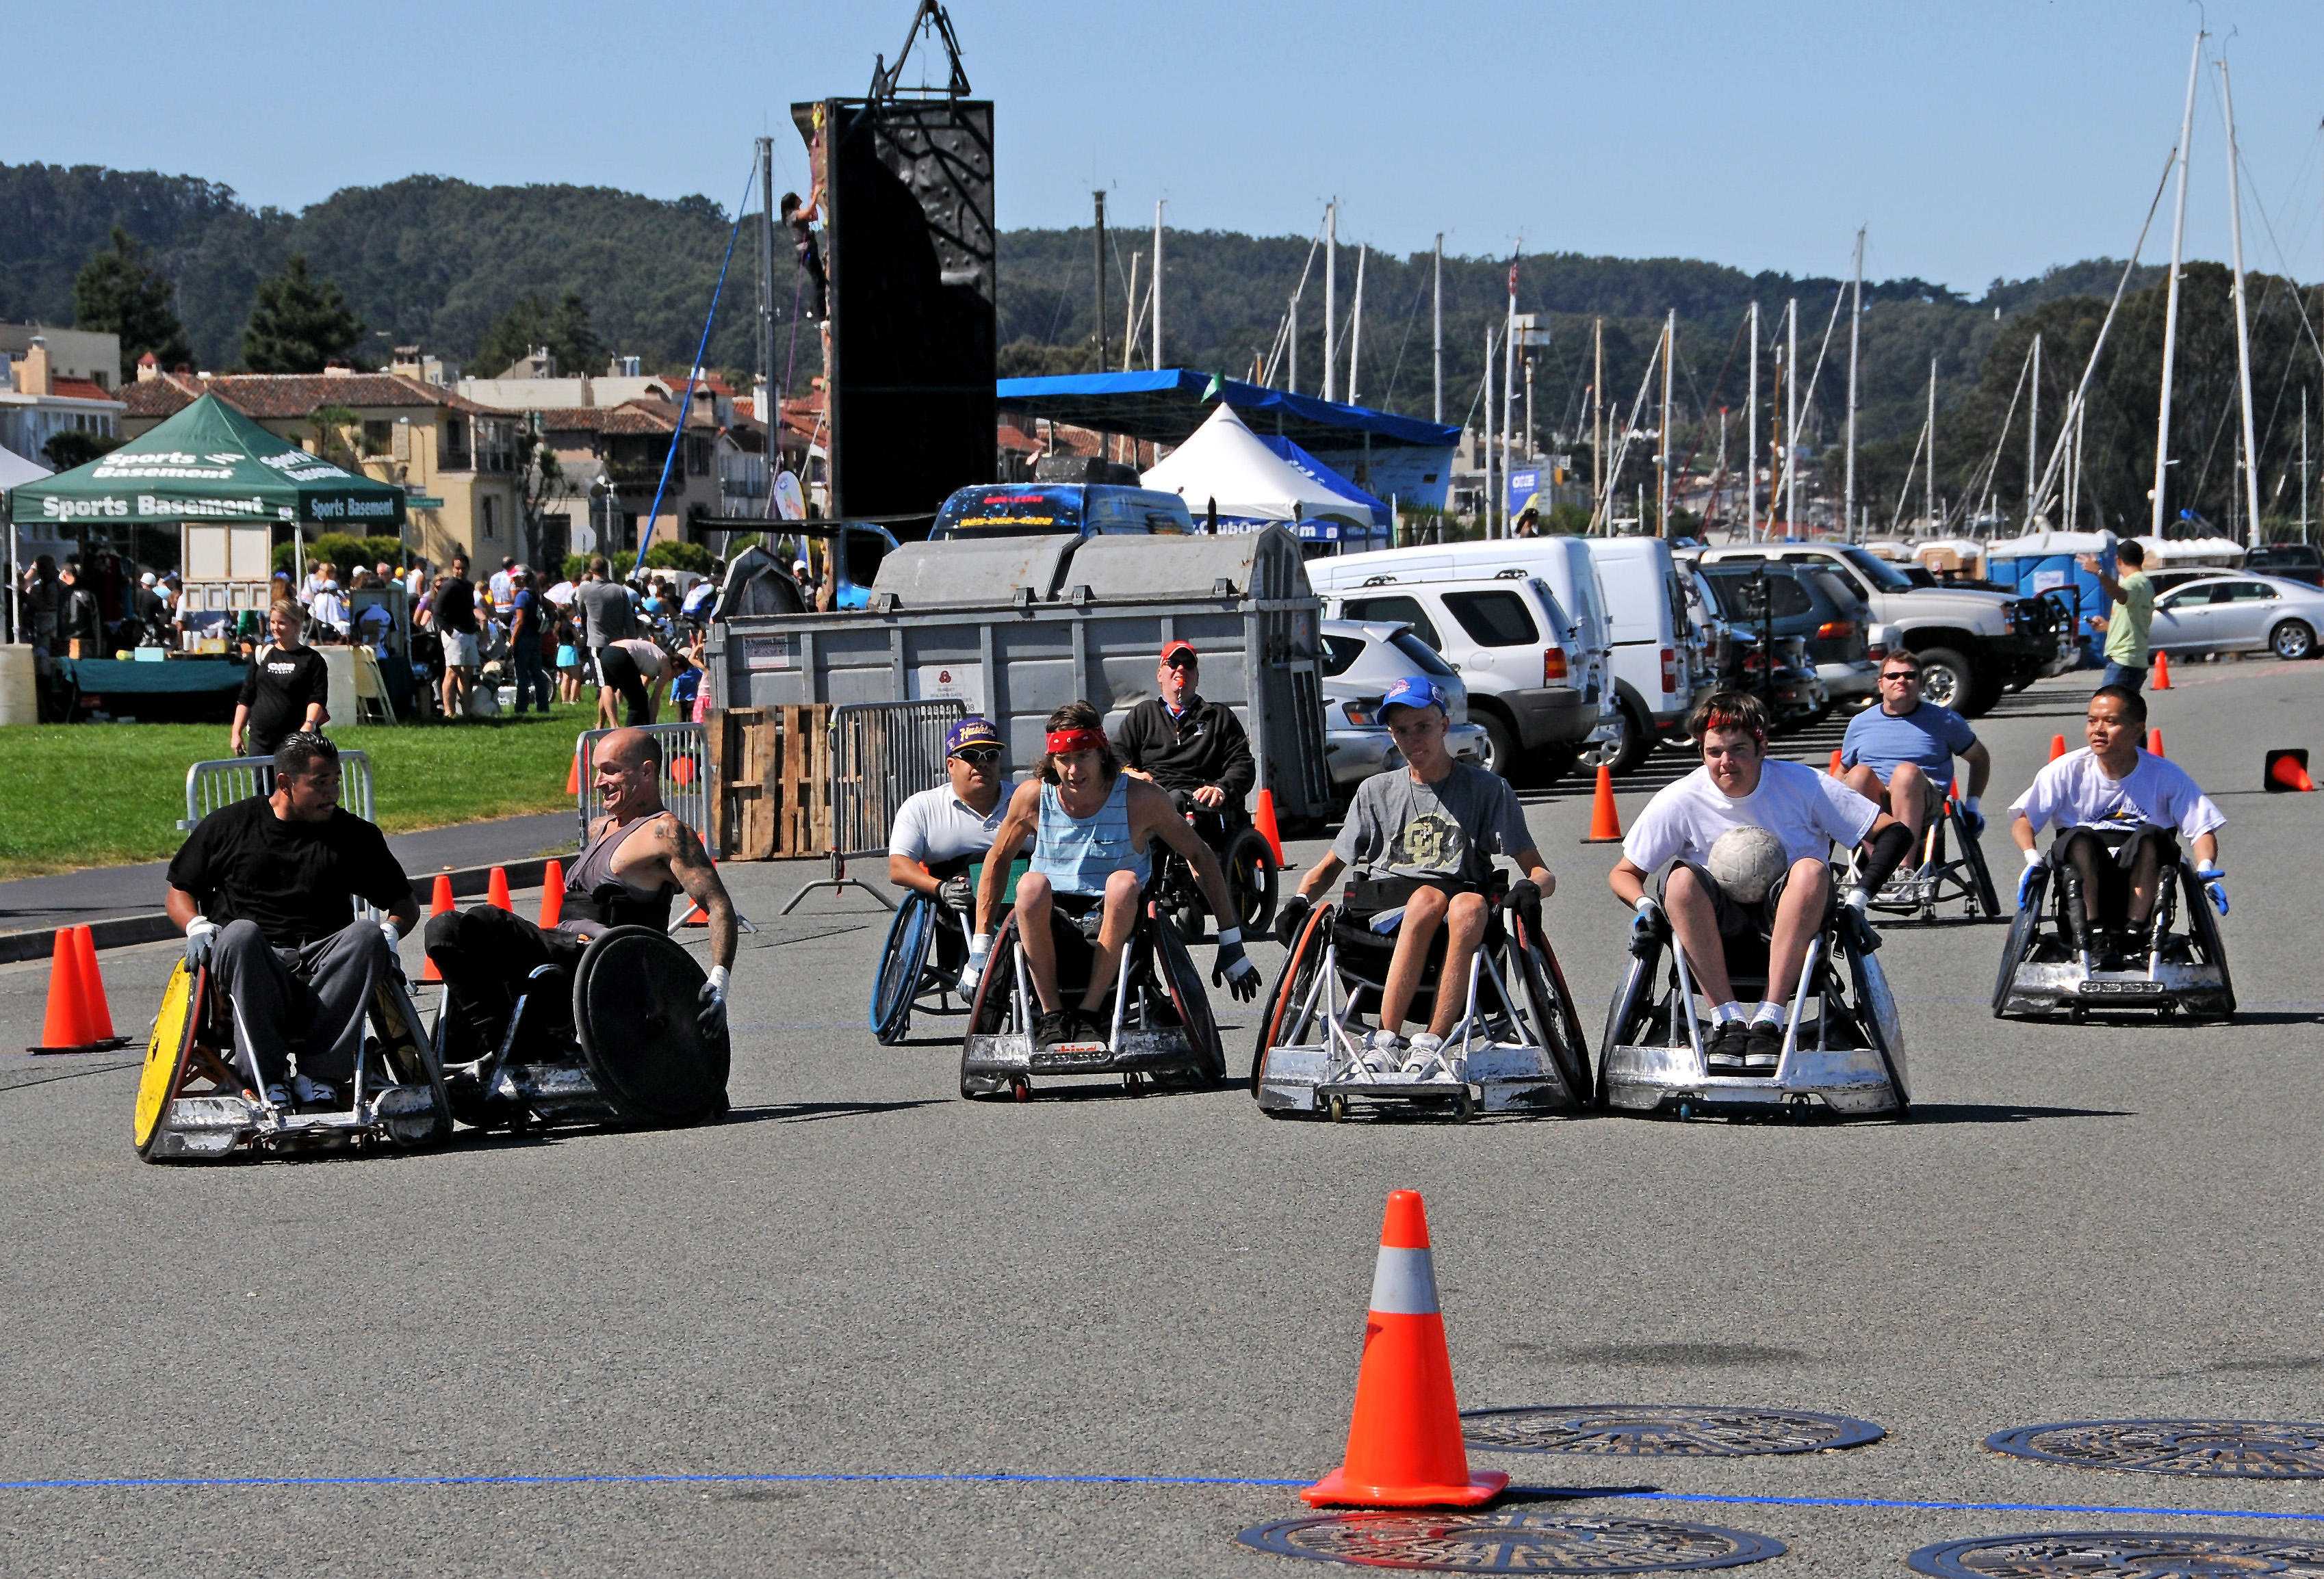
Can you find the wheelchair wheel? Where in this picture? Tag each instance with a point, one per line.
(903, 959)
(2203, 927)
(166, 1052)
(1184, 983)
(635, 997)
(1873, 1006)
(1988, 903)
(1631, 1002)
(1291, 986)
(994, 1012)
(1251, 877)
(1550, 1005)
(411, 1058)
(2023, 932)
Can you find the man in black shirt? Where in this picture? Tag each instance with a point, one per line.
(1185, 745)
(284, 690)
(262, 890)
(454, 616)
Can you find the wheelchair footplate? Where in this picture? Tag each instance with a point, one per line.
(2066, 987)
(996, 1061)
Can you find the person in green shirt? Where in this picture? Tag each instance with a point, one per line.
(2133, 612)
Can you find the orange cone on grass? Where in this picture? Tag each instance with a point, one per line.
(496, 890)
(437, 903)
(1266, 823)
(2155, 742)
(552, 894)
(2057, 746)
(2161, 677)
(66, 1027)
(92, 990)
(1605, 826)
(2287, 771)
(1404, 1442)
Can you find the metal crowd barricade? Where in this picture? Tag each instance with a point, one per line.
(882, 753)
(223, 781)
(685, 787)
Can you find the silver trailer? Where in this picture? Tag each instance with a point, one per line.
(1015, 627)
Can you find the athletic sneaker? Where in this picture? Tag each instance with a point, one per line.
(1762, 1047)
(1052, 1029)
(1722, 1049)
(1424, 1047)
(314, 1092)
(1383, 1050)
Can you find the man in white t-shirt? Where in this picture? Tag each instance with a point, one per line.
(939, 832)
(2120, 815)
(1739, 787)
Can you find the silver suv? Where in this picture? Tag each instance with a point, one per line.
(1360, 662)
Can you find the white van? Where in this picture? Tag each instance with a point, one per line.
(1655, 654)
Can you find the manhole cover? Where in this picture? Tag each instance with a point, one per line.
(1510, 1542)
(2241, 1449)
(2120, 1555)
(1643, 1430)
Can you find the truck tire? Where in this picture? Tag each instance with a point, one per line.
(1500, 744)
(1635, 745)
(1947, 680)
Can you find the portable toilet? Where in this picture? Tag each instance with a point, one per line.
(2042, 564)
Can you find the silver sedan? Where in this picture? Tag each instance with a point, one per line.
(2232, 613)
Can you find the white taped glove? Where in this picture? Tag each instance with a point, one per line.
(712, 1015)
(979, 950)
(200, 934)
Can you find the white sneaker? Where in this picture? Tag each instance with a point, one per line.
(1383, 1050)
(1424, 1047)
(314, 1092)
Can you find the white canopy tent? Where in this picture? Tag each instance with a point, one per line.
(15, 470)
(1223, 462)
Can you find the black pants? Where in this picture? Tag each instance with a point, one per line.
(2104, 860)
(485, 954)
(318, 993)
(617, 669)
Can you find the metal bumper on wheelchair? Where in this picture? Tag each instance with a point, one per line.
(2183, 970)
(1849, 1081)
(221, 1124)
(2039, 987)
(993, 1063)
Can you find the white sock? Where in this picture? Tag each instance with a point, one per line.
(1769, 1013)
(1721, 1013)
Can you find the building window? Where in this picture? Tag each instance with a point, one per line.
(491, 517)
(377, 436)
(697, 454)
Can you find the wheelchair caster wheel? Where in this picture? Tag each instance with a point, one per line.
(1339, 1107)
(1685, 1112)
(1464, 1106)
(1134, 1083)
(2076, 1016)
(1801, 1109)
(1021, 1088)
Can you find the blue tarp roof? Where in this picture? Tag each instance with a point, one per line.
(1302, 461)
(1166, 405)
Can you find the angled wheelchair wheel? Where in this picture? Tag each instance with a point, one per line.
(1550, 1005)
(2203, 926)
(994, 1012)
(410, 1056)
(635, 999)
(2023, 932)
(903, 961)
(1291, 985)
(1184, 984)
(1875, 1008)
(1988, 903)
(1251, 879)
(1632, 999)
(167, 1052)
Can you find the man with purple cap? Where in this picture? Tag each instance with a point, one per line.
(939, 832)
(1426, 838)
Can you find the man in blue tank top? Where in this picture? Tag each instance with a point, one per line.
(1091, 824)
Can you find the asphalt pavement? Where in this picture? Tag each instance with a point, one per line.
(863, 1326)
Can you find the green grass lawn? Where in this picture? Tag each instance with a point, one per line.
(100, 795)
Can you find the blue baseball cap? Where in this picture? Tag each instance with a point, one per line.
(972, 730)
(1413, 691)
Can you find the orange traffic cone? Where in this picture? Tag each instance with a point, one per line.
(2057, 746)
(2288, 771)
(573, 773)
(1404, 1442)
(2161, 677)
(1267, 825)
(1605, 827)
(695, 917)
(496, 890)
(437, 903)
(1834, 768)
(2155, 742)
(552, 894)
(66, 1027)
(92, 990)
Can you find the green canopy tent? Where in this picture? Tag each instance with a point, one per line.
(209, 463)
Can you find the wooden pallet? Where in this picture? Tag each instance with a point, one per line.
(774, 799)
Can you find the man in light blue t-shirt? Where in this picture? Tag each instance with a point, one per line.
(1900, 754)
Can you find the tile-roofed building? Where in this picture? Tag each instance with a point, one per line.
(38, 402)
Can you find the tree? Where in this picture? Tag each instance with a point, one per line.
(532, 324)
(119, 292)
(72, 447)
(298, 324)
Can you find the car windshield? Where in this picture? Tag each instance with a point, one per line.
(1883, 574)
(1011, 511)
(1424, 656)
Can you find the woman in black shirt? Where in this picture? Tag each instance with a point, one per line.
(284, 690)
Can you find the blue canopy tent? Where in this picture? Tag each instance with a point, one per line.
(1350, 539)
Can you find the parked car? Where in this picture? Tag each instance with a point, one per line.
(1656, 655)
(2237, 614)
(1037, 509)
(1806, 602)
(1360, 660)
(1737, 660)
(1505, 637)
(2299, 562)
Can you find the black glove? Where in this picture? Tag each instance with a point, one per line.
(1291, 917)
(955, 894)
(1234, 968)
(1524, 899)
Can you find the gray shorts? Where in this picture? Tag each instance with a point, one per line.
(459, 649)
(1735, 917)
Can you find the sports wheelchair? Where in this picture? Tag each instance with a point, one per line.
(1245, 858)
(1161, 1027)
(1846, 1060)
(616, 1043)
(926, 946)
(2180, 970)
(200, 1098)
(1517, 1046)
(1939, 877)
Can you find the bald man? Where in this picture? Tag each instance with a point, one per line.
(639, 857)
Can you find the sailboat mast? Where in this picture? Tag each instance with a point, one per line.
(1440, 328)
(1928, 480)
(2243, 313)
(1598, 433)
(2033, 432)
(1855, 318)
(1663, 478)
(1331, 299)
(1791, 416)
(2170, 297)
(1751, 439)
(1356, 329)
(1158, 285)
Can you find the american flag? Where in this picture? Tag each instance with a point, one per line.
(1513, 276)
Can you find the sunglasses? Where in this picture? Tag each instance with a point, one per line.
(1183, 662)
(1913, 675)
(981, 758)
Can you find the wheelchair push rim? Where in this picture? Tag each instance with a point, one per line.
(167, 1049)
(903, 965)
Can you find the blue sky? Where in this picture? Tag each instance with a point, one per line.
(1974, 138)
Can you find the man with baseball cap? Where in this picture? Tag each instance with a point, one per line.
(939, 832)
(1184, 745)
(1426, 837)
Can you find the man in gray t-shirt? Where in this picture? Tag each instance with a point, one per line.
(604, 605)
(1436, 823)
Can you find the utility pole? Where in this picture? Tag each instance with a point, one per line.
(2303, 463)
(1508, 371)
(2033, 432)
(1791, 416)
(1663, 466)
(1488, 404)
(1929, 481)
(1855, 321)
(1440, 328)
(1130, 314)
(2170, 297)
(2242, 310)
(1103, 363)
(1598, 435)
(1356, 330)
(1530, 446)
(1751, 439)
(765, 399)
(1331, 299)
(1157, 284)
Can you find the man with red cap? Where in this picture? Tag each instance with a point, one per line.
(1190, 747)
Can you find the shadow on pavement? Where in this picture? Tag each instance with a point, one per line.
(2003, 1113)
(1567, 1493)
(807, 1112)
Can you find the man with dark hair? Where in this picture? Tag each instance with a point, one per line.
(2134, 612)
(603, 606)
(453, 613)
(1091, 824)
(1901, 753)
(262, 888)
(283, 692)
(640, 854)
(1739, 786)
(2120, 813)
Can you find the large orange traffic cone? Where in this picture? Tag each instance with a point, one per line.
(1404, 1442)
(66, 1027)
(2161, 677)
(2155, 742)
(1605, 827)
(437, 903)
(496, 890)
(573, 773)
(552, 894)
(2057, 746)
(1265, 822)
(2288, 771)
(1834, 768)
(92, 990)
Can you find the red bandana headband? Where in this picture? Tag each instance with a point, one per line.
(1062, 741)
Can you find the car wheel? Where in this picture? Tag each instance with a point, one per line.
(1500, 746)
(2293, 639)
(1633, 745)
(1946, 679)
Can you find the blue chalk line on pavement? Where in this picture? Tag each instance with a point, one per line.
(1570, 1493)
